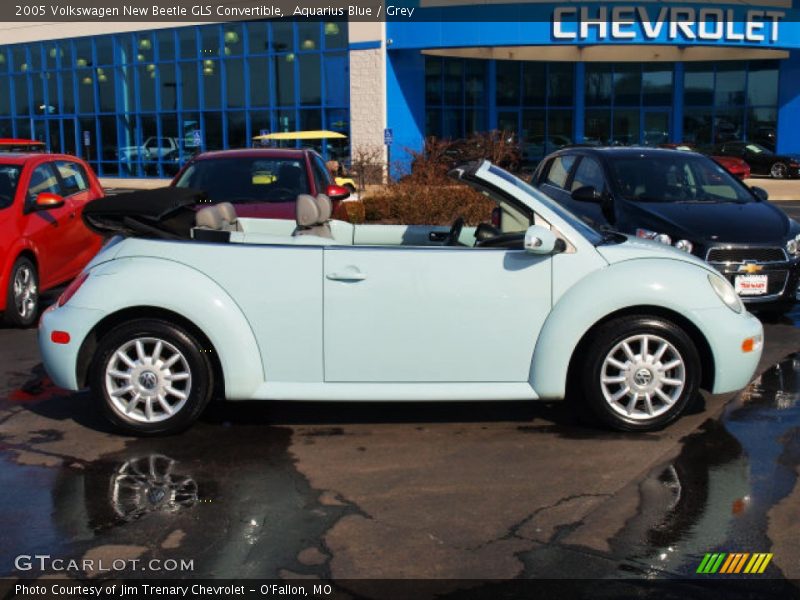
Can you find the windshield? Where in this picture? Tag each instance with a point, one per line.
(590, 233)
(247, 179)
(677, 178)
(9, 178)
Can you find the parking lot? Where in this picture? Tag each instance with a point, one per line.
(456, 491)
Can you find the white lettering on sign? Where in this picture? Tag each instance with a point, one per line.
(678, 23)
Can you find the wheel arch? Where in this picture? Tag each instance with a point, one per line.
(15, 254)
(699, 340)
(109, 322)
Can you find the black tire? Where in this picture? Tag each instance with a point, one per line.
(194, 360)
(605, 339)
(25, 315)
(779, 170)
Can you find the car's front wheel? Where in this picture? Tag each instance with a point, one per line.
(151, 377)
(639, 373)
(22, 295)
(779, 170)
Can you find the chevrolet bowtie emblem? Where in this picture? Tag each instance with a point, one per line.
(750, 268)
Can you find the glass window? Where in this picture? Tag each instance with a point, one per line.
(237, 130)
(43, 179)
(311, 120)
(105, 89)
(232, 38)
(284, 80)
(36, 57)
(234, 82)
(21, 94)
(6, 128)
(68, 145)
(209, 41)
(257, 37)
(626, 127)
(211, 84)
(699, 84)
(433, 80)
(85, 90)
(9, 179)
(730, 84)
(169, 86)
(108, 138)
(285, 120)
(728, 125)
(598, 84)
(697, 125)
(260, 122)
(337, 81)
(19, 58)
(589, 173)
(308, 35)
(247, 179)
(67, 91)
(559, 127)
(474, 82)
(597, 126)
(188, 85)
(474, 120)
(657, 85)
(508, 83)
(213, 130)
(144, 47)
(5, 96)
(73, 177)
(533, 83)
(558, 171)
(454, 82)
(627, 84)
(259, 81)
(166, 44)
(453, 124)
(51, 83)
(187, 41)
(147, 86)
(83, 52)
(560, 84)
(433, 122)
(762, 83)
(104, 47)
(282, 36)
(321, 175)
(335, 35)
(310, 79)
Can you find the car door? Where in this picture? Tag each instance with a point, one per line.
(554, 177)
(50, 231)
(432, 314)
(76, 189)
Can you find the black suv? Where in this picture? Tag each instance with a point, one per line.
(688, 201)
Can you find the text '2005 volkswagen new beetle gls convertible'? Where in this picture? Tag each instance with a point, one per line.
(183, 305)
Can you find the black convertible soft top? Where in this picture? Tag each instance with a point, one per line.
(159, 213)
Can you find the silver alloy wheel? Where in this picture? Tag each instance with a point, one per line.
(642, 377)
(778, 171)
(25, 291)
(148, 380)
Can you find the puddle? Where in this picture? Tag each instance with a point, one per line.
(716, 494)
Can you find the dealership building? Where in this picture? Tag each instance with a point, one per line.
(137, 99)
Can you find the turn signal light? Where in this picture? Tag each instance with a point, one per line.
(59, 337)
(751, 343)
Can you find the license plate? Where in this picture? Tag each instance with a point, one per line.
(750, 285)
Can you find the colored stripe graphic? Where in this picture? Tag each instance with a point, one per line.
(734, 563)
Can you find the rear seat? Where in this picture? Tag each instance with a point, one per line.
(215, 223)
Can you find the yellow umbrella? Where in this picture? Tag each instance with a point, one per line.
(300, 135)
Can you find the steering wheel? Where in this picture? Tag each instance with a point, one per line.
(455, 232)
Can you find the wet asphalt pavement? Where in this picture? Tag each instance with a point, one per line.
(452, 491)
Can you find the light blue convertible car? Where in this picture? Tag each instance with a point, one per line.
(186, 305)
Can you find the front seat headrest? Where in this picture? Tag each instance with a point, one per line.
(208, 218)
(227, 212)
(325, 207)
(307, 211)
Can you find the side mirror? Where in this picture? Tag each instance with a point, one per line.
(586, 193)
(760, 193)
(540, 240)
(48, 200)
(337, 192)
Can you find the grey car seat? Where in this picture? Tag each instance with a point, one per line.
(313, 216)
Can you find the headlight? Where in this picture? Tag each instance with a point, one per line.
(793, 246)
(726, 293)
(646, 234)
(684, 245)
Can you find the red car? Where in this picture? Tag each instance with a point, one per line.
(43, 241)
(735, 166)
(261, 182)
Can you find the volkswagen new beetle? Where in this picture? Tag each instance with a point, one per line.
(186, 305)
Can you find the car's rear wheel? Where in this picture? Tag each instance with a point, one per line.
(640, 373)
(779, 170)
(151, 377)
(22, 295)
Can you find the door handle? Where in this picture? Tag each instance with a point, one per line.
(346, 276)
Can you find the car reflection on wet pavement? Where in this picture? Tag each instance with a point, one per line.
(449, 491)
